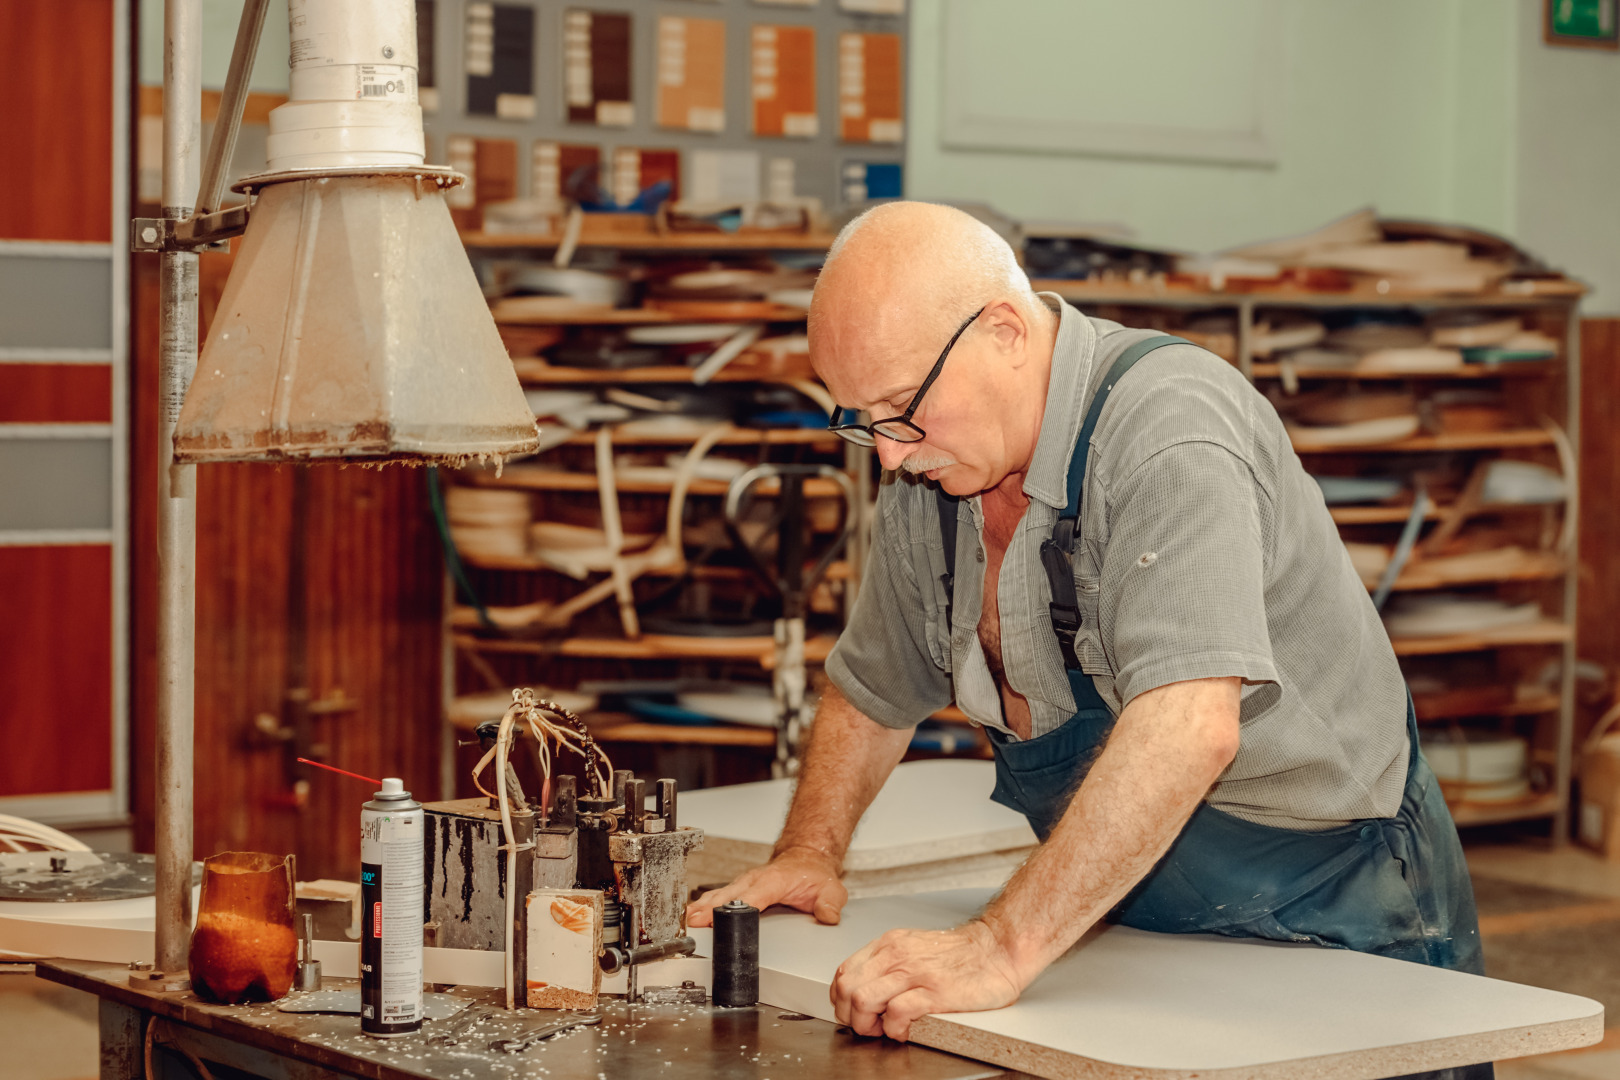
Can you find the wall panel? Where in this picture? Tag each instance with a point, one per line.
(56, 708)
(56, 394)
(1597, 629)
(54, 118)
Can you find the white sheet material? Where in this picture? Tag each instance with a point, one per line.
(1173, 1004)
(927, 811)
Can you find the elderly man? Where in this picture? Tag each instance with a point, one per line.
(1101, 543)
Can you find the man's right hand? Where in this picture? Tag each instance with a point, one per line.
(802, 878)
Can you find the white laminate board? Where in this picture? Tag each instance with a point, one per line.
(927, 811)
(1131, 1004)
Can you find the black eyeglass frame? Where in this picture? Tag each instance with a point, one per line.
(851, 432)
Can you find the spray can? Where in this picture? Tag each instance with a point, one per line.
(391, 889)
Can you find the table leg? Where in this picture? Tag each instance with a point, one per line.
(123, 1030)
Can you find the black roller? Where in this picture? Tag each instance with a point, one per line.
(736, 955)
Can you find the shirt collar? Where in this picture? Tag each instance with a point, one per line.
(1072, 353)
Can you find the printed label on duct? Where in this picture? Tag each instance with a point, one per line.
(385, 82)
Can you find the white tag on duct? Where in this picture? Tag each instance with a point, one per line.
(385, 82)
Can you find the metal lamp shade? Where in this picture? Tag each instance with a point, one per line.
(352, 326)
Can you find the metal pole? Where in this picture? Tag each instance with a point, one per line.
(177, 489)
(228, 125)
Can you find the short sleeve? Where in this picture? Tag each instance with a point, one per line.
(1183, 577)
(881, 662)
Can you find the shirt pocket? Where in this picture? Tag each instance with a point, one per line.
(1088, 642)
(935, 605)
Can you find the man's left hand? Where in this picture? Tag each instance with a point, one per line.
(906, 974)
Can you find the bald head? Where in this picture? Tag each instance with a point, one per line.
(898, 283)
(910, 268)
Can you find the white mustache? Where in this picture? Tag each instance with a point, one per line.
(918, 464)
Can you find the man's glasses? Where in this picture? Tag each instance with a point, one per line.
(899, 428)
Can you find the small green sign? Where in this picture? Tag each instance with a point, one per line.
(1590, 19)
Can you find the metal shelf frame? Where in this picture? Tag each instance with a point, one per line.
(1556, 633)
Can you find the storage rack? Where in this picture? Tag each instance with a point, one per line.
(582, 652)
(1548, 719)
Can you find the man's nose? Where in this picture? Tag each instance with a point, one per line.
(891, 453)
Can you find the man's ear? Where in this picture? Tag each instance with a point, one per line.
(1009, 328)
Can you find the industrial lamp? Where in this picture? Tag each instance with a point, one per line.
(351, 327)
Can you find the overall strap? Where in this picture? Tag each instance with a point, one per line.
(947, 533)
(1057, 553)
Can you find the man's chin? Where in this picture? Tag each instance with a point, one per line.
(952, 481)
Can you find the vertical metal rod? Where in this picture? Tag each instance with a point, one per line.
(1565, 767)
(177, 489)
(228, 124)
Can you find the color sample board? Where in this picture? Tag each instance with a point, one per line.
(745, 122)
(783, 65)
(692, 74)
(500, 61)
(1125, 1003)
(869, 81)
(554, 164)
(596, 68)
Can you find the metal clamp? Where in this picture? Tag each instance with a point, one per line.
(200, 232)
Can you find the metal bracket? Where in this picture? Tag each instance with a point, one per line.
(204, 232)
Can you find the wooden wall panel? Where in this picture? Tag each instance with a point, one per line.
(56, 710)
(1598, 629)
(371, 596)
(55, 393)
(56, 69)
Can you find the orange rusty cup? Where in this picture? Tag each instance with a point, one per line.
(244, 947)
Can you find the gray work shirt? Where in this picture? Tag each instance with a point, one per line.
(1206, 552)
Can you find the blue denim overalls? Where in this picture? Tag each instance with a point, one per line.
(1396, 887)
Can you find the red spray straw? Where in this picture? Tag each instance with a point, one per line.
(341, 772)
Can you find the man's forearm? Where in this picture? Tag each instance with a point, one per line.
(1168, 747)
(844, 767)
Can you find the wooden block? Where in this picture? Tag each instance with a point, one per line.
(565, 936)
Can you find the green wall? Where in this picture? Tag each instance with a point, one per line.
(220, 18)
(1402, 104)
(1452, 110)
(1566, 204)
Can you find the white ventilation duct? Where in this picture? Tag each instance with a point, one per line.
(352, 325)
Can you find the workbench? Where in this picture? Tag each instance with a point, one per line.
(631, 1040)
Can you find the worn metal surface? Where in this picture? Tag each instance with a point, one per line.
(654, 881)
(466, 875)
(556, 857)
(673, 1041)
(177, 491)
(84, 875)
(345, 1001)
(352, 326)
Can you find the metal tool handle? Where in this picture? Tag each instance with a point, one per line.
(740, 487)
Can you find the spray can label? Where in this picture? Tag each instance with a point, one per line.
(391, 928)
